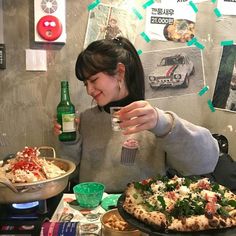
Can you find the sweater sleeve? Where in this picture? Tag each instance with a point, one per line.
(72, 150)
(190, 149)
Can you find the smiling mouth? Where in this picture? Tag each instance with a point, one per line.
(97, 96)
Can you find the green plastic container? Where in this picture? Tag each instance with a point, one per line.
(89, 194)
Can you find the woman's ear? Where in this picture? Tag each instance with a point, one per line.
(121, 79)
(121, 71)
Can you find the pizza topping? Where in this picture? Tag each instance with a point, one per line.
(183, 190)
(204, 184)
(171, 195)
(223, 212)
(187, 207)
(209, 196)
(185, 204)
(210, 208)
(162, 202)
(144, 186)
(232, 203)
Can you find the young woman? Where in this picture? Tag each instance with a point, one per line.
(113, 75)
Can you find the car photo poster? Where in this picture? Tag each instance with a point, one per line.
(107, 22)
(170, 22)
(173, 72)
(227, 7)
(225, 89)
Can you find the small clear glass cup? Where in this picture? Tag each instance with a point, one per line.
(115, 121)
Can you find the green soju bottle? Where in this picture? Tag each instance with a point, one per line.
(66, 114)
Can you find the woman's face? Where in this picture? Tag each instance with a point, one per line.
(105, 88)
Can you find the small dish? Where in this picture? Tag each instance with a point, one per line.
(89, 194)
(110, 201)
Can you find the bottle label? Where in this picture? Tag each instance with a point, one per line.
(68, 123)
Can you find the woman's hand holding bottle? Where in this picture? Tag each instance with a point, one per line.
(57, 127)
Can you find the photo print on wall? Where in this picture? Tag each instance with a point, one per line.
(227, 7)
(173, 72)
(225, 89)
(107, 22)
(170, 22)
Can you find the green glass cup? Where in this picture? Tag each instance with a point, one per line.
(89, 194)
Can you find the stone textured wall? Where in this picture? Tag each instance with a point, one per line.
(28, 100)
(1, 22)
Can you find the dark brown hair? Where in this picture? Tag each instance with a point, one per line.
(104, 55)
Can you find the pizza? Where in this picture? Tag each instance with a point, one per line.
(181, 204)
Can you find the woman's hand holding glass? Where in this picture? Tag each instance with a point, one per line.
(137, 116)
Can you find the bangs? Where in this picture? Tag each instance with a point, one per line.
(89, 64)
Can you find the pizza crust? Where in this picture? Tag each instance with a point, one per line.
(199, 223)
(134, 205)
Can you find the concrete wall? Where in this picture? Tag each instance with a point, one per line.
(1, 22)
(28, 100)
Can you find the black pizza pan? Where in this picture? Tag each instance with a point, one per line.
(151, 231)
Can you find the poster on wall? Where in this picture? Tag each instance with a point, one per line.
(107, 22)
(225, 90)
(227, 7)
(170, 22)
(173, 72)
(182, 1)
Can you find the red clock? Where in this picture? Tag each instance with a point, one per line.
(49, 28)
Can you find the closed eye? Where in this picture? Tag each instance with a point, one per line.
(93, 80)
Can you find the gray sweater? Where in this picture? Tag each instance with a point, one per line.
(188, 148)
